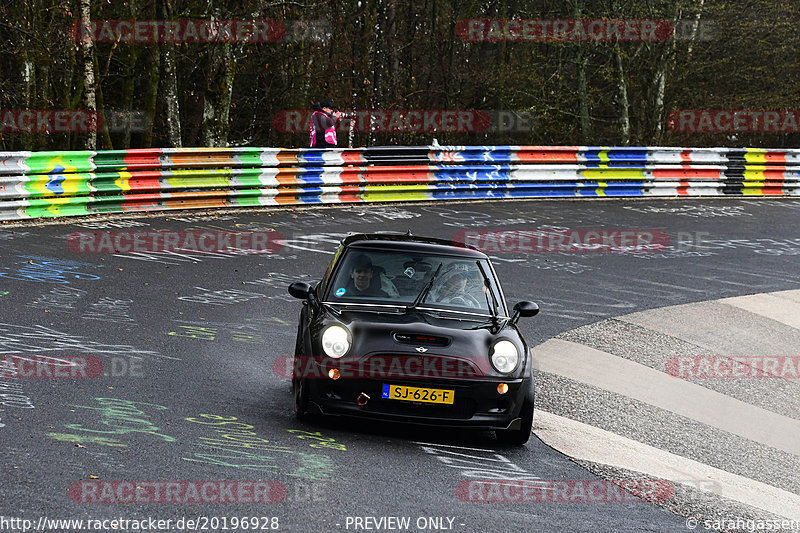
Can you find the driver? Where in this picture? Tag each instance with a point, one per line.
(451, 288)
(363, 281)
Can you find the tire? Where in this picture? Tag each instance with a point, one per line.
(518, 437)
(300, 392)
(299, 385)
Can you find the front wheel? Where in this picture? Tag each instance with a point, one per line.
(520, 436)
(300, 390)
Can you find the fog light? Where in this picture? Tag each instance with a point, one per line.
(334, 373)
(502, 388)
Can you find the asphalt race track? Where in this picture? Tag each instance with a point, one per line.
(188, 348)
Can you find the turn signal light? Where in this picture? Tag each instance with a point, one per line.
(334, 373)
(502, 388)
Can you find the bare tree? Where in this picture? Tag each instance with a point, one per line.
(87, 46)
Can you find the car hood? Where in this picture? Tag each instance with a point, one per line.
(427, 334)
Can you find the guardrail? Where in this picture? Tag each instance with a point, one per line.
(55, 184)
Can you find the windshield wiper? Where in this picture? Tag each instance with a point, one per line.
(488, 286)
(424, 292)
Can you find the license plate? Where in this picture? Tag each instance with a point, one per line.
(418, 394)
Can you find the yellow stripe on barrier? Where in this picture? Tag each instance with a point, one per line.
(377, 193)
(754, 175)
(613, 173)
(123, 182)
(756, 155)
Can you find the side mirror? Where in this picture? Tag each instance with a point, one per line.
(304, 291)
(524, 309)
(300, 289)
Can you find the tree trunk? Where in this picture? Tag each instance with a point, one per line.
(28, 75)
(170, 90)
(217, 102)
(695, 26)
(87, 46)
(151, 96)
(624, 119)
(377, 45)
(665, 65)
(129, 57)
(105, 138)
(581, 62)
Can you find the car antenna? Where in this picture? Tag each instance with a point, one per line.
(408, 233)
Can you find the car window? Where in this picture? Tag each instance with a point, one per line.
(399, 278)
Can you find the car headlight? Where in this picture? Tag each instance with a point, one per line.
(335, 341)
(505, 356)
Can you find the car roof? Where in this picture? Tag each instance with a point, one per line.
(410, 243)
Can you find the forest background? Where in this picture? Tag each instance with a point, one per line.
(396, 57)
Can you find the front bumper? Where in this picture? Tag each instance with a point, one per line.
(477, 404)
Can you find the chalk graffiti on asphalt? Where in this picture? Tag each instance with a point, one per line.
(8, 236)
(693, 211)
(16, 339)
(112, 224)
(122, 417)
(11, 395)
(87, 439)
(221, 297)
(476, 463)
(58, 299)
(110, 310)
(318, 440)
(236, 445)
(211, 331)
(47, 270)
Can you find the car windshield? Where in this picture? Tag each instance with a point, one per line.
(400, 278)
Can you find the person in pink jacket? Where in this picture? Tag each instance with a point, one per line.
(323, 124)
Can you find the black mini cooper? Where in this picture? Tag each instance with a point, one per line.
(413, 330)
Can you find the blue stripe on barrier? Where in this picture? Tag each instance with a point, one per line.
(313, 155)
(312, 175)
(310, 195)
(468, 193)
(474, 174)
(614, 155)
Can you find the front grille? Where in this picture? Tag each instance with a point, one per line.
(421, 340)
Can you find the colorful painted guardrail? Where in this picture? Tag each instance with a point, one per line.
(55, 184)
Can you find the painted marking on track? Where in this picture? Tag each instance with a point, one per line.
(653, 387)
(584, 442)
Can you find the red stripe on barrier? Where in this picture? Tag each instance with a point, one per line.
(565, 154)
